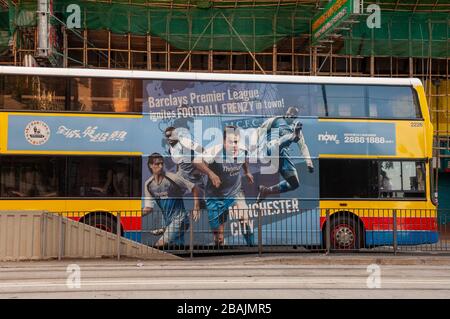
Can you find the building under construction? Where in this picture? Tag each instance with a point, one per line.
(409, 38)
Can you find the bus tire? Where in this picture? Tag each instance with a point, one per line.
(103, 221)
(346, 233)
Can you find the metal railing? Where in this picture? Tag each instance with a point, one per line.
(274, 230)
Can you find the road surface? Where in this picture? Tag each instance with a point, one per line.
(291, 276)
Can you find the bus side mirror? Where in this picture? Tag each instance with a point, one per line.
(434, 198)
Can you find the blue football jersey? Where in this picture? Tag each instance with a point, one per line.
(228, 169)
(168, 194)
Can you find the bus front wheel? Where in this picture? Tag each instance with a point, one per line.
(103, 221)
(346, 233)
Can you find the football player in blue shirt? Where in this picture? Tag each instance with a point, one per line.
(222, 164)
(183, 150)
(280, 132)
(166, 190)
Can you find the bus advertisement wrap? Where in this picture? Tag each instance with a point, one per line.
(242, 152)
(247, 153)
(229, 159)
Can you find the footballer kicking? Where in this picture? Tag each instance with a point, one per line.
(280, 132)
(166, 190)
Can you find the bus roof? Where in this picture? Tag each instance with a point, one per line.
(193, 76)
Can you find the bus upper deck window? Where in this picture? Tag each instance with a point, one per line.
(392, 102)
(345, 100)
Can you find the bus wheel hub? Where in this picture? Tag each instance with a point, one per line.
(344, 236)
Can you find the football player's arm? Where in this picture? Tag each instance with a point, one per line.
(148, 202)
(247, 172)
(203, 167)
(196, 210)
(191, 145)
(304, 151)
(201, 163)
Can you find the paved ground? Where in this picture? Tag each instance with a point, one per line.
(272, 276)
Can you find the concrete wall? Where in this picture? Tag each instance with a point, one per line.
(36, 235)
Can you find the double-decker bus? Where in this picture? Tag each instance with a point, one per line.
(306, 157)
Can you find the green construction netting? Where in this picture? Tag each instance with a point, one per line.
(243, 28)
(239, 29)
(401, 34)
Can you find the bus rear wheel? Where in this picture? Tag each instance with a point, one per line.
(106, 222)
(346, 233)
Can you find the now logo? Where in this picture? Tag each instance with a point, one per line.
(328, 138)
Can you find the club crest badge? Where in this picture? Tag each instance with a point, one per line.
(37, 132)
